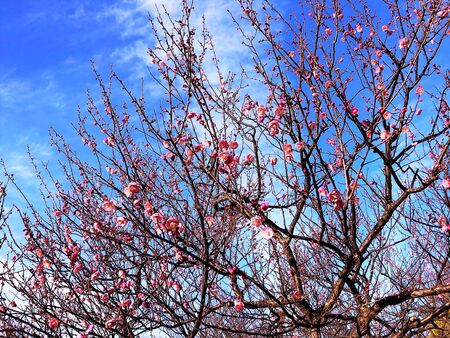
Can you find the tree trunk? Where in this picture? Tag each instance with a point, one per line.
(314, 333)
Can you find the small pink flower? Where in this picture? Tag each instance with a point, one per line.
(53, 323)
(156, 218)
(109, 141)
(273, 161)
(402, 43)
(172, 224)
(419, 90)
(210, 220)
(121, 274)
(176, 287)
(322, 191)
(328, 31)
(109, 206)
(131, 189)
(446, 183)
(233, 145)
(125, 303)
(148, 208)
(338, 205)
(297, 294)
(261, 111)
(95, 276)
(385, 135)
(442, 221)
(226, 157)
(77, 267)
(232, 269)
(300, 145)
(387, 115)
(179, 255)
(223, 145)
(267, 232)
(256, 221)
(249, 159)
(264, 206)
(334, 196)
(273, 127)
(109, 324)
(121, 221)
(239, 305)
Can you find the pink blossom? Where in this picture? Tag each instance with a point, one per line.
(178, 255)
(419, 90)
(233, 145)
(267, 232)
(300, 145)
(108, 206)
(109, 141)
(287, 148)
(334, 196)
(322, 191)
(446, 183)
(131, 189)
(121, 221)
(249, 159)
(338, 205)
(109, 324)
(329, 84)
(77, 267)
(273, 127)
(402, 43)
(239, 305)
(148, 208)
(121, 274)
(156, 218)
(279, 111)
(261, 111)
(125, 303)
(385, 135)
(297, 294)
(223, 145)
(210, 220)
(264, 206)
(273, 160)
(226, 157)
(176, 287)
(232, 269)
(97, 227)
(442, 221)
(53, 323)
(94, 276)
(172, 224)
(256, 221)
(328, 31)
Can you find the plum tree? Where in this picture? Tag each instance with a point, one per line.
(306, 195)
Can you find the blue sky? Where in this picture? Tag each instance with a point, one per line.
(46, 48)
(45, 65)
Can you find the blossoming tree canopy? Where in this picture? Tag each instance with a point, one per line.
(307, 195)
